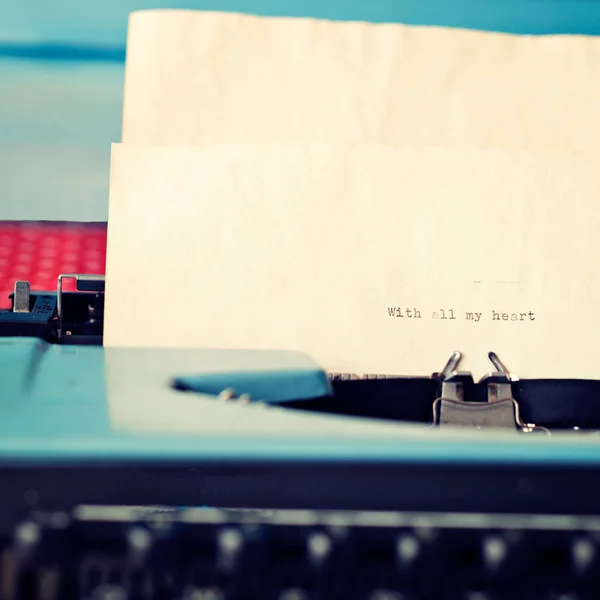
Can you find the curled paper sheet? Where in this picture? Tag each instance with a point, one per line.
(369, 258)
(201, 78)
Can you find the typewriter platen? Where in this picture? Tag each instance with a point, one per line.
(469, 490)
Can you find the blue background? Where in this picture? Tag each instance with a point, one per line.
(61, 80)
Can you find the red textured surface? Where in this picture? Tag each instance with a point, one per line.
(40, 252)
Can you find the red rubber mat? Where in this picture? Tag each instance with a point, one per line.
(40, 251)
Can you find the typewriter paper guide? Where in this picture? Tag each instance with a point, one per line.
(371, 259)
(198, 77)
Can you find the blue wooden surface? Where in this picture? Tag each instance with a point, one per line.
(61, 78)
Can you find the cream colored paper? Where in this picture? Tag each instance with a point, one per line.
(202, 77)
(319, 248)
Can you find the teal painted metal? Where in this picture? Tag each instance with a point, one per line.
(270, 387)
(57, 406)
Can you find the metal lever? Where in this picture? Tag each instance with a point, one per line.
(500, 367)
(451, 395)
(454, 384)
(500, 397)
(451, 365)
(21, 297)
(498, 382)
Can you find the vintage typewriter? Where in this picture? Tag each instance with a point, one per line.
(473, 490)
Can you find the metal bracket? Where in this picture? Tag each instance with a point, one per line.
(85, 282)
(501, 409)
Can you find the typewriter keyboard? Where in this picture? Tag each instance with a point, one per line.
(118, 553)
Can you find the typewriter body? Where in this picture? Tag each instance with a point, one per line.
(152, 473)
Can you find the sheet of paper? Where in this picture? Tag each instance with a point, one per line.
(202, 77)
(371, 259)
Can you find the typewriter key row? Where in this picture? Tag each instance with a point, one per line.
(129, 554)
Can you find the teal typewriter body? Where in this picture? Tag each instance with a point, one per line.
(207, 474)
(145, 473)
